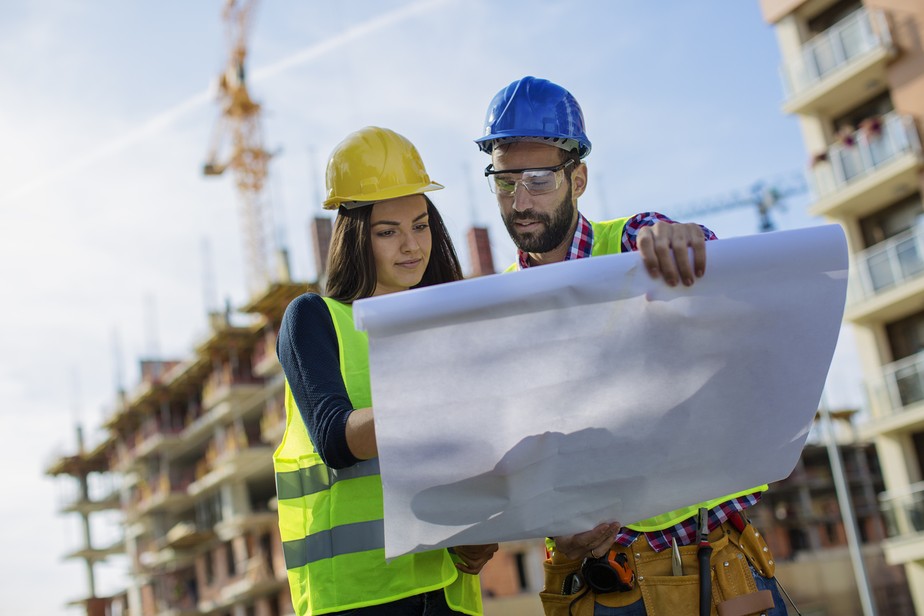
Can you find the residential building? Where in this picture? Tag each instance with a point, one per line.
(853, 74)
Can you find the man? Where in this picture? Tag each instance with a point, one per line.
(534, 133)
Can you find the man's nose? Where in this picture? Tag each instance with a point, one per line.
(522, 199)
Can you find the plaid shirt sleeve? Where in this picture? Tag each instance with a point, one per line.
(647, 219)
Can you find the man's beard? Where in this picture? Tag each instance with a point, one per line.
(557, 225)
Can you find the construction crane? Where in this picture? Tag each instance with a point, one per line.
(762, 196)
(239, 125)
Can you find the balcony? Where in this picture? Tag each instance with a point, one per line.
(164, 493)
(241, 523)
(903, 512)
(91, 554)
(868, 168)
(227, 385)
(86, 506)
(838, 67)
(256, 579)
(264, 354)
(237, 459)
(273, 421)
(887, 279)
(897, 397)
(186, 535)
(154, 437)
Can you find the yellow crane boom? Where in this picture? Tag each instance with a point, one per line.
(239, 126)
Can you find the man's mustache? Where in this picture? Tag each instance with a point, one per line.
(518, 216)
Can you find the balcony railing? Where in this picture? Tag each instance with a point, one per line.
(901, 386)
(863, 151)
(888, 264)
(847, 40)
(904, 512)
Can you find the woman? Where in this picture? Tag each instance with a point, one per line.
(388, 237)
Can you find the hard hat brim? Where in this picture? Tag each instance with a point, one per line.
(356, 201)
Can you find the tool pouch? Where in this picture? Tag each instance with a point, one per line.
(665, 594)
(752, 543)
(677, 595)
(557, 596)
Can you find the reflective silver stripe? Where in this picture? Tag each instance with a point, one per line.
(340, 540)
(360, 469)
(305, 481)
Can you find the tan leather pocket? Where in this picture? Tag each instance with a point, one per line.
(554, 601)
(673, 595)
(731, 574)
(755, 548)
(668, 595)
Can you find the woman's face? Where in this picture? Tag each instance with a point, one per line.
(401, 242)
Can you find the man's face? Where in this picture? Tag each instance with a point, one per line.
(538, 223)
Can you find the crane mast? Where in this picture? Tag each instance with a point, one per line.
(239, 126)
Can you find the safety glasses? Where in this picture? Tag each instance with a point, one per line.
(535, 181)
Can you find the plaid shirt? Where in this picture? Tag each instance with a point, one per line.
(685, 531)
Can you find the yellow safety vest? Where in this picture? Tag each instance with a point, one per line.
(608, 241)
(331, 521)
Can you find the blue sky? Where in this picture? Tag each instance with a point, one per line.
(107, 116)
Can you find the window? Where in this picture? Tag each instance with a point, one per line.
(832, 15)
(875, 107)
(521, 571)
(208, 511)
(209, 569)
(906, 337)
(229, 557)
(917, 440)
(797, 539)
(266, 551)
(892, 220)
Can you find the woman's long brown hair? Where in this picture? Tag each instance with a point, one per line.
(351, 265)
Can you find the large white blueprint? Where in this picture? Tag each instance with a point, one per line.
(547, 401)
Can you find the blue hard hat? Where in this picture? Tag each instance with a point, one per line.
(535, 110)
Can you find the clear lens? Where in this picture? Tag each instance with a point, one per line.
(536, 182)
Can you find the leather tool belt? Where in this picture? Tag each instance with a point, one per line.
(734, 592)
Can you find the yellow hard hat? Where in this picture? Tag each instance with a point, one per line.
(374, 164)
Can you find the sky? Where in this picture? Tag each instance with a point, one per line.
(108, 113)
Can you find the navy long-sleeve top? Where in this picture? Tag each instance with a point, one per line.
(310, 356)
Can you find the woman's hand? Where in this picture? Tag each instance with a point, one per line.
(474, 557)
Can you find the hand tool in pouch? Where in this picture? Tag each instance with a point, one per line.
(609, 573)
(676, 563)
(703, 555)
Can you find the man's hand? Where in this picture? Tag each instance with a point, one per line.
(665, 249)
(593, 543)
(474, 557)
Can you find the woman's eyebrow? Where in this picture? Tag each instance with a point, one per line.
(396, 223)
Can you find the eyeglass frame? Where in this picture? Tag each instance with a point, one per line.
(488, 172)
